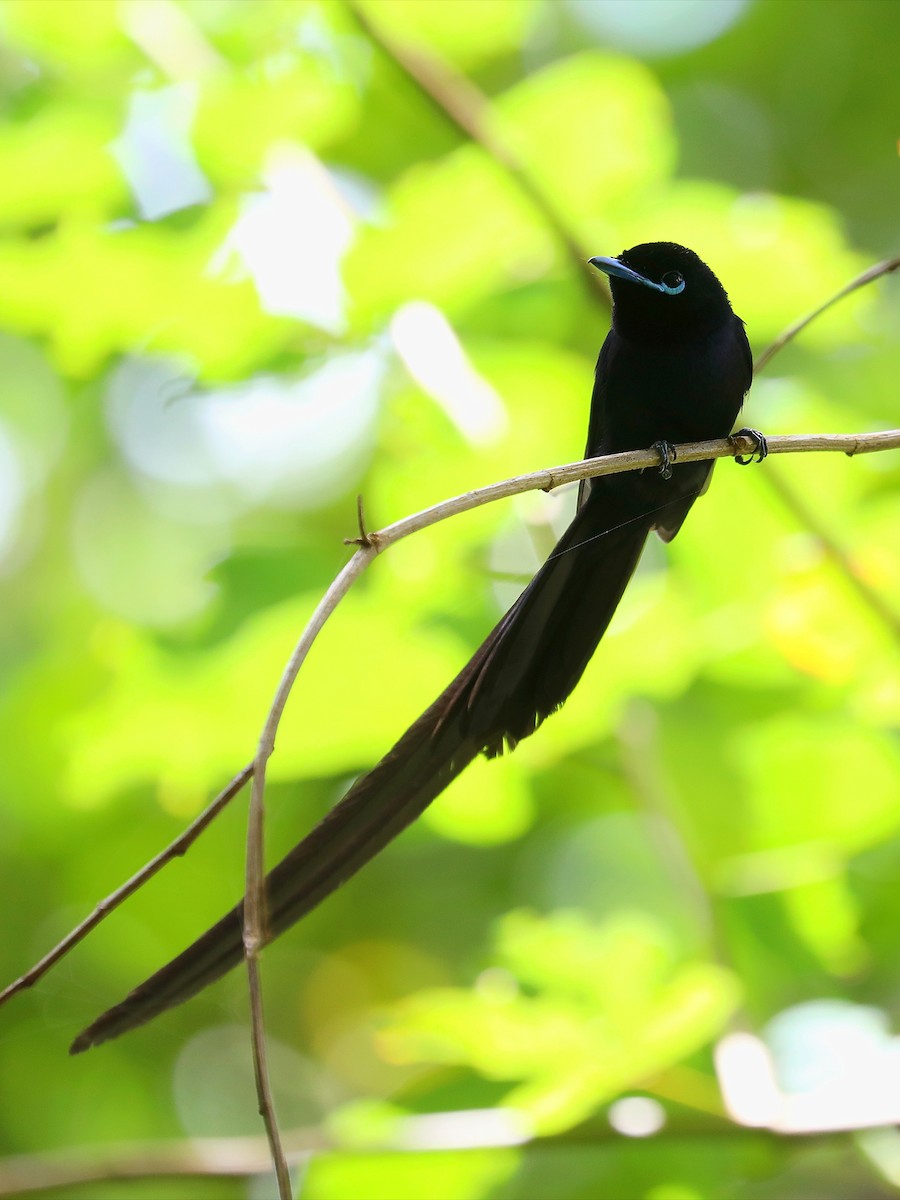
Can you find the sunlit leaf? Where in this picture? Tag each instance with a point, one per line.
(606, 1008)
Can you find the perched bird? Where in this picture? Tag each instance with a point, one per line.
(674, 367)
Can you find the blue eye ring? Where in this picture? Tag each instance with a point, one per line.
(672, 283)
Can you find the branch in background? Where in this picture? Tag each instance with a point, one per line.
(868, 276)
(637, 736)
(205, 1158)
(806, 515)
(465, 106)
(241, 1157)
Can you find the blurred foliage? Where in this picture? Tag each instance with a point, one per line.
(250, 270)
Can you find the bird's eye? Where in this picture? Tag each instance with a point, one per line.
(672, 282)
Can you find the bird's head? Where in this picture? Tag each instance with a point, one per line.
(663, 291)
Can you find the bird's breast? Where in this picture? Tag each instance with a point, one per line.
(675, 392)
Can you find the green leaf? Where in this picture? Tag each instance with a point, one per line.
(606, 1007)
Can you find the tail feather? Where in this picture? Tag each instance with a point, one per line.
(522, 672)
(377, 807)
(534, 658)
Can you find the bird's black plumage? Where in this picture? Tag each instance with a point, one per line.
(674, 368)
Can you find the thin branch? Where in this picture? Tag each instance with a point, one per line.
(265, 1099)
(788, 335)
(255, 921)
(791, 497)
(241, 1157)
(544, 480)
(174, 850)
(635, 460)
(254, 935)
(210, 1158)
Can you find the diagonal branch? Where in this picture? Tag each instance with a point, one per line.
(120, 895)
(788, 335)
(806, 515)
(459, 100)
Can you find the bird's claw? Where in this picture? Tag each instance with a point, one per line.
(758, 453)
(667, 454)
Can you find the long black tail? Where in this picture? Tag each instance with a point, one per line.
(522, 672)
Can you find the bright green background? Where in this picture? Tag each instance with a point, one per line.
(707, 835)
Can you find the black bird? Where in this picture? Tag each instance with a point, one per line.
(674, 368)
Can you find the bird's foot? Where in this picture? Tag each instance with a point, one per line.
(759, 451)
(667, 454)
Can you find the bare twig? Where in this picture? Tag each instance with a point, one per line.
(635, 460)
(546, 479)
(254, 939)
(265, 1099)
(255, 902)
(791, 498)
(788, 335)
(114, 899)
(850, 444)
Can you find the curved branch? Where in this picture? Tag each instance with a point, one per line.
(369, 545)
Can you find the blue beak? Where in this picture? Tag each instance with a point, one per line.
(612, 266)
